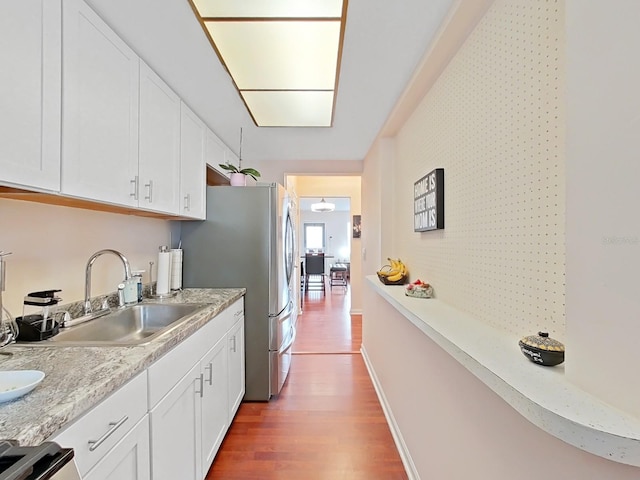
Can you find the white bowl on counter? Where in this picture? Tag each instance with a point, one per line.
(16, 383)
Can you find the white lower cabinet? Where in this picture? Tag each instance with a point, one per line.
(96, 437)
(189, 421)
(175, 432)
(214, 402)
(129, 459)
(169, 421)
(235, 345)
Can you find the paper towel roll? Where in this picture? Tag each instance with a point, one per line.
(164, 272)
(176, 268)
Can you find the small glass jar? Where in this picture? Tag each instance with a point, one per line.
(130, 291)
(137, 276)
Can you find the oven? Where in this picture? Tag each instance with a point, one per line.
(47, 461)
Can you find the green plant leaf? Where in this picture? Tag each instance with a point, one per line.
(229, 167)
(252, 172)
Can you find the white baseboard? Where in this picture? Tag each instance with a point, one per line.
(405, 456)
(357, 311)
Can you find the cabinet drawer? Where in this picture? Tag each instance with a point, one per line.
(95, 433)
(168, 370)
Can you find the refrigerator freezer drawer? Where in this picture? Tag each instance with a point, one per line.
(280, 362)
(280, 328)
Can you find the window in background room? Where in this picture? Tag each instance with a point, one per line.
(314, 237)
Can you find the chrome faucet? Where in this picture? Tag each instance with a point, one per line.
(87, 276)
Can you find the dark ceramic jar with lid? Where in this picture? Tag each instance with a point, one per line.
(542, 349)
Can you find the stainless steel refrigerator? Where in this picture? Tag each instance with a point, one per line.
(248, 240)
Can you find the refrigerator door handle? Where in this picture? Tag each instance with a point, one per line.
(288, 344)
(287, 306)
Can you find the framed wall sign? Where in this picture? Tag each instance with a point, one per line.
(357, 226)
(428, 202)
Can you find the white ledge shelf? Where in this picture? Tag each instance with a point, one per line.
(542, 395)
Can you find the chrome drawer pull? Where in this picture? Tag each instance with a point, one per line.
(201, 392)
(93, 444)
(233, 349)
(135, 188)
(210, 368)
(150, 187)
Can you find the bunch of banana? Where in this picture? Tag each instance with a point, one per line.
(394, 272)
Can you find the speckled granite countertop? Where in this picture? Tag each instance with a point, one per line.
(77, 378)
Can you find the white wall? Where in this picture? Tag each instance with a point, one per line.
(336, 230)
(603, 224)
(495, 120)
(51, 246)
(454, 426)
(278, 171)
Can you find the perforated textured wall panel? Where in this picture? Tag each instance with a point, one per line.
(495, 122)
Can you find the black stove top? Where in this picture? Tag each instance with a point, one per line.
(31, 463)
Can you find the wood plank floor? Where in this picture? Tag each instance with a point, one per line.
(327, 422)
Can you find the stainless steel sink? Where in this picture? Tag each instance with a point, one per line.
(134, 325)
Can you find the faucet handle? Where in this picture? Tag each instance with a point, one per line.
(121, 295)
(2, 273)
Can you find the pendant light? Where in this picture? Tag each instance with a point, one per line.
(322, 206)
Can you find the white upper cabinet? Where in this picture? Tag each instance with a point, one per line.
(215, 152)
(192, 165)
(30, 82)
(99, 110)
(159, 150)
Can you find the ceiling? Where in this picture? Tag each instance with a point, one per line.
(383, 44)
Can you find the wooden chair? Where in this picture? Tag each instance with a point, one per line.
(338, 275)
(314, 271)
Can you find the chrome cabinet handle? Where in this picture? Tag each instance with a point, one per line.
(93, 444)
(201, 379)
(135, 188)
(233, 349)
(187, 201)
(238, 313)
(150, 191)
(210, 368)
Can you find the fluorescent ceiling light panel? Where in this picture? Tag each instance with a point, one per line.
(268, 8)
(283, 55)
(290, 108)
(279, 55)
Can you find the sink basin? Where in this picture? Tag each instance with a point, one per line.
(134, 325)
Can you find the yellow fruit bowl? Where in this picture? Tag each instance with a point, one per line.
(388, 274)
(386, 281)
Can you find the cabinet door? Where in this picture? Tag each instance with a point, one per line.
(192, 165)
(214, 153)
(128, 460)
(30, 82)
(235, 344)
(99, 109)
(175, 431)
(159, 149)
(215, 421)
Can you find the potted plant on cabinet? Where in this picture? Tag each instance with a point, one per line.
(238, 174)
